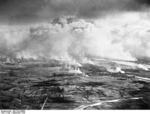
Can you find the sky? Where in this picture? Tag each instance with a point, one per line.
(115, 29)
(25, 11)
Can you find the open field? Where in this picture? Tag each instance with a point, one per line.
(49, 86)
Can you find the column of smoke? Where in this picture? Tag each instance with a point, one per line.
(124, 37)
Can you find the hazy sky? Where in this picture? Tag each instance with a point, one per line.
(22, 11)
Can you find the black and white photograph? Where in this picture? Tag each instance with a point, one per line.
(74, 55)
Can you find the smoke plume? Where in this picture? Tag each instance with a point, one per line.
(69, 38)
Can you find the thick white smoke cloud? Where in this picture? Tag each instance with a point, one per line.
(124, 36)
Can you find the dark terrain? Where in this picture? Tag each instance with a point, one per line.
(47, 86)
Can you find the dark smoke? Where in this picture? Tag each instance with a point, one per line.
(22, 11)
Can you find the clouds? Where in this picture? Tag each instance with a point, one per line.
(94, 8)
(41, 10)
(143, 2)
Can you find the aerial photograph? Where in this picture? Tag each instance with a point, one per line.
(74, 55)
